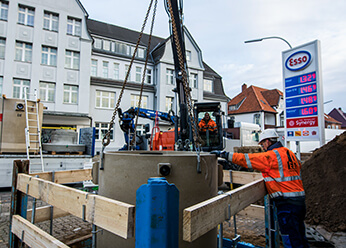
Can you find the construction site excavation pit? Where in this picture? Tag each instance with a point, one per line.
(124, 172)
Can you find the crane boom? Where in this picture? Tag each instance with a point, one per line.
(174, 11)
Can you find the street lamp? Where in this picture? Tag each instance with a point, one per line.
(276, 37)
(266, 38)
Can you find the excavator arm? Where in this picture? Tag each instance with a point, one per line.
(184, 132)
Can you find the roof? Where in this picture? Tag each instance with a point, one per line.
(122, 34)
(331, 120)
(255, 99)
(339, 115)
(272, 96)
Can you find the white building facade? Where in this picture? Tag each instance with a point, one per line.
(43, 44)
(111, 55)
(78, 66)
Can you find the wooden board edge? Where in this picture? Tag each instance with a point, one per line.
(32, 235)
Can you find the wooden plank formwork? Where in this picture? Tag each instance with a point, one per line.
(118, 217)
(32, 235)
(44, 213)
(111, 215)
(70, 176)
(240, 177)
(204, 216)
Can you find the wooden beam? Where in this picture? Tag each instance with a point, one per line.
(204, 216)
(70, 176)
(111, 215)
(253, 211)
(43, 213)
(241, 177)
(32, 235)
(19, 202)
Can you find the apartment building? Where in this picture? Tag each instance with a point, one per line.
(112, 50)
(43, 44)
(78, 65)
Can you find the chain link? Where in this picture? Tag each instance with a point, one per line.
(106, 138)
(144, 73)
(186, 87)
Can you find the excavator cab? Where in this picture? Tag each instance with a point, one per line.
(209, 125)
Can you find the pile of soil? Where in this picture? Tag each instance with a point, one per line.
(324, 179)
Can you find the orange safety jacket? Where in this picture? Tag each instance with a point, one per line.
(210, 125)
(280, 169)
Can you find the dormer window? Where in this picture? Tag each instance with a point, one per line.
(208, 85)
(236, 106)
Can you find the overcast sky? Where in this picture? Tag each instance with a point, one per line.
(220, 28)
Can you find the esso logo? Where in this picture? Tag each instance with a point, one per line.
(298, 61)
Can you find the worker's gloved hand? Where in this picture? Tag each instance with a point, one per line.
(222, 154)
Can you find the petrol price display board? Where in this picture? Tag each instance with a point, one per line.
(304, 114)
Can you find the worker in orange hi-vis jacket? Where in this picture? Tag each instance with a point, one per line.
(207, 124)
(281, 172)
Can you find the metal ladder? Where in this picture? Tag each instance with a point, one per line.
(32, 130)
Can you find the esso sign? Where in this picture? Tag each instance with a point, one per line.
(298, 61)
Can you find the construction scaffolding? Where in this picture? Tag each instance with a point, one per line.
(108, 214)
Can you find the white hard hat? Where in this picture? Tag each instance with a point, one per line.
(267, 134)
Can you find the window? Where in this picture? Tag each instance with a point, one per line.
(94, 67)
(149, 76)
(257, 119)
(138, 74)
(236, 106)
(18, 88)
(48, 56)
(101, 130)
(23, 51)
(140, 52)
(105, 99)
(169, 76)
(97, 43)
(50, 21)
(26, 15)
(135, 99)
(169, 103)
(126, 69)
(116, 71)
(70, 94)
(1, 82)
(3, 10)
(2, 48)
(194, 80)
(105, 69)
(130, 50)
(208, 85)
(119, 47)
(188, 55)
(232, 107)
(106, 45)
(72, 59)
(73, 26)
(141, 129)
(47, 91)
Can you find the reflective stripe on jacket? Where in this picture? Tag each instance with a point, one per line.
(280, 169)
(210, 125)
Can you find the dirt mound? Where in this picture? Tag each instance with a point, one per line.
(324, 179)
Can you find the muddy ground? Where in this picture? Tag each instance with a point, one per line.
(324, 179)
